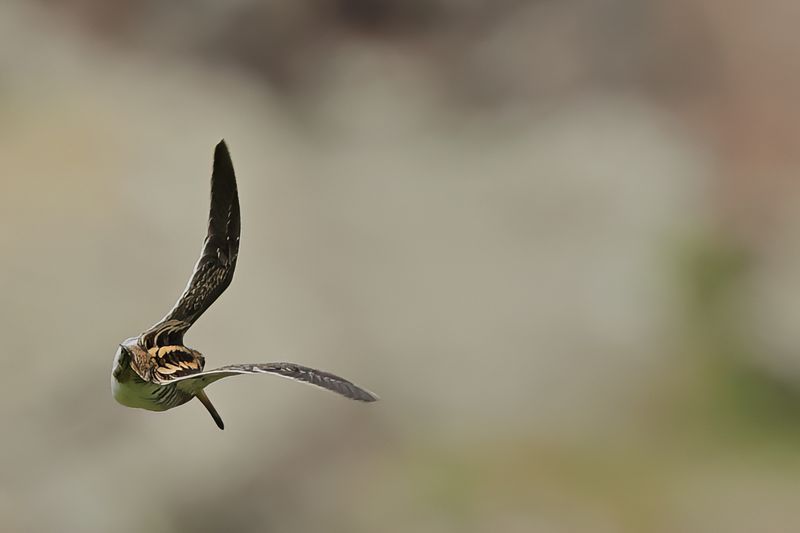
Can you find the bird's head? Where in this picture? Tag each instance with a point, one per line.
(122, 358)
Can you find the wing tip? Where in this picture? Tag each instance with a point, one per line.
(221, 151)
(366, 396)
(222, 169)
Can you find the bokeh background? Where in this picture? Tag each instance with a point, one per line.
(560, 238)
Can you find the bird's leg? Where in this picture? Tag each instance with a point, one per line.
(208, 405)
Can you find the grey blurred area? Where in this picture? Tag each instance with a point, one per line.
(558, 238)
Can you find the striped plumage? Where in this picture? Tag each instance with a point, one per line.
(155, 370)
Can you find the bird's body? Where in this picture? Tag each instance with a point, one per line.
(156, 371)
(131, 390)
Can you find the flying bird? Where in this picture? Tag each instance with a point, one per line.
(156, 370)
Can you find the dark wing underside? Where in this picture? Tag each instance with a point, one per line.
(197, 382)
(214, 270)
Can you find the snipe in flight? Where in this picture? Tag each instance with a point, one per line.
(155, 370)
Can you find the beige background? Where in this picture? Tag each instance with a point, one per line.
(560, 240)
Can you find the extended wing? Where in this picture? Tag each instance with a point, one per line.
(214, 270)
(197, 382)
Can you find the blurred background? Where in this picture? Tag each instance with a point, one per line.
(561, 239)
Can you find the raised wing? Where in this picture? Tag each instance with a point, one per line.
(195, 383)
(214, 270)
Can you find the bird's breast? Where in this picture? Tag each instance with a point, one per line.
(141, 395)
